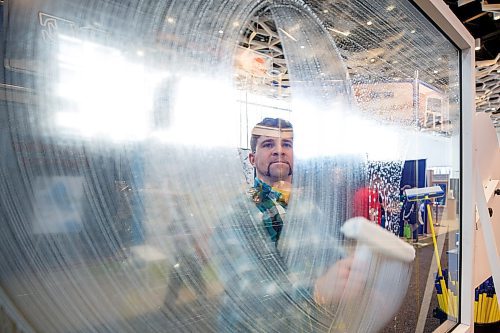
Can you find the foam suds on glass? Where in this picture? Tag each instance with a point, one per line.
(124, 204)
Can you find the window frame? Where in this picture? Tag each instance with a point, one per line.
(444, 19)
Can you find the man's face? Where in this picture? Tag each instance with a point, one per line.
(273, 159)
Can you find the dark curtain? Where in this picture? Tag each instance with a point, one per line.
(414, 175)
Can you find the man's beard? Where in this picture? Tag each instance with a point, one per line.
(290, 171)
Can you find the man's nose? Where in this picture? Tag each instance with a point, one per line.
(278, 151)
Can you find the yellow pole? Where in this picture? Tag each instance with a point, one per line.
(480, 308)
(485, 306)
(440, 302)
(489, 318)
(452, 304)
(496, 312)
(436, 253)
(488, 308)
(476, 309)
(495, 316)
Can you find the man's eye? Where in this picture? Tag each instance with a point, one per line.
(267, 145)
(288, 145)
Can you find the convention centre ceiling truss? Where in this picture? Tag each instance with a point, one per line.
(482, 19)
(374, 48)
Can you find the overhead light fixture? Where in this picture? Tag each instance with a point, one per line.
(413, 31)
(344, 33)
(390, 8)
(477, 44)
(288, 34)
(369, 23)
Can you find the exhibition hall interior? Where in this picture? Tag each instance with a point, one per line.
(249, 166)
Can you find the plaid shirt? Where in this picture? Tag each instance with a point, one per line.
(261, 290)
(271, 205)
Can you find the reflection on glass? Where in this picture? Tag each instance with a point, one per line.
(138, 194)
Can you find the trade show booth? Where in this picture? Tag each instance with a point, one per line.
(244, 166)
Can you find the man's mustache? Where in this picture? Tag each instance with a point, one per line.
(290, 171)
(286, 162)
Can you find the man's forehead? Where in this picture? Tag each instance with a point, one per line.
(275, 132)
(272, 138)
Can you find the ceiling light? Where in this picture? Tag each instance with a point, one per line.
(236, 23)
(390, 8)
(345, 33)
(477, 44)
(325, 11)
(413, 31)
(302, 46)
(369, 23)
(436, 71)
(372, 60)
(140, 53)
(170, 20)
(221, 31)
(395, 62)
(288, 35)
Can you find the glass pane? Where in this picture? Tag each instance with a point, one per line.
(190, 166)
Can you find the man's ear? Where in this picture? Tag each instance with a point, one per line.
(251, 158)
